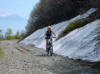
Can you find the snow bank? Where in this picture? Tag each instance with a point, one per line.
(83, 43)
(79, 44)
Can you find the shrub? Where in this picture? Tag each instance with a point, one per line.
(80, 23)
(1, 53)
(73, 25)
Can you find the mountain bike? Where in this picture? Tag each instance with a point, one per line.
(50, 47)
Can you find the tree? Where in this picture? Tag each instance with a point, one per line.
(22, 34)
(49, 12)
(17, 36)
(8, 34)
(1, 35)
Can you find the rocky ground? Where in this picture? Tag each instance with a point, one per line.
(21, 59)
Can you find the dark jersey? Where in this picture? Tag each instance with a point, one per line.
(48, 34)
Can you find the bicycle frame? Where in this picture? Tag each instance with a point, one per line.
(50, 47)
(49, 43)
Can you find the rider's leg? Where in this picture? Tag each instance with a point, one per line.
(46, 43)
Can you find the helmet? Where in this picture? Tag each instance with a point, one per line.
(49, 27)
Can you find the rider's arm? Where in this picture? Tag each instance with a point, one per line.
(54, 33)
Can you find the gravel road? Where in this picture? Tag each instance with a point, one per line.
(22, 59)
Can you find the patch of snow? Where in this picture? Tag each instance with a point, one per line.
(81, 43)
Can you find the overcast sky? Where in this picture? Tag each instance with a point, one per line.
(17, 7)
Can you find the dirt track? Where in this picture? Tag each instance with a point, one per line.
(21, 59)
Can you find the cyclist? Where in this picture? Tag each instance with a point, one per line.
(48, 35)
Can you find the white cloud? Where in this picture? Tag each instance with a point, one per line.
(5, 14)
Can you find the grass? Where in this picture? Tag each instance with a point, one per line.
(2, 39)
(80, 23)
(2, 54)
(74, 25)
(8, 39)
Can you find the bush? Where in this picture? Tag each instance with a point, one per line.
(73, 25)
(76, 24)
(80, 23)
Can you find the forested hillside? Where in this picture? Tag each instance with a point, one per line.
(48, 12)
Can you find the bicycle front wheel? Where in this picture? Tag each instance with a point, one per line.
(51, 51)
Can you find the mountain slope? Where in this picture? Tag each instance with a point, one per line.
(82, 43)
